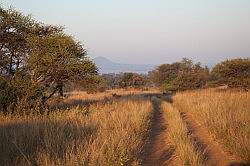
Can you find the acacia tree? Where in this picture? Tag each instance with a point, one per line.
(56, 60)
(15, 29)
(37, 60)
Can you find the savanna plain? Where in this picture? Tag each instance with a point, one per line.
(132, 127)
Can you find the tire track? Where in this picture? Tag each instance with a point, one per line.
(214, 155)
(158, 151)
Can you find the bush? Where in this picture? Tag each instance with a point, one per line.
(20, 95)
(132, 80)
(235, 73)
(7, 94)
(186, 81)
(93, 84)
(29, 95)
(179, 76)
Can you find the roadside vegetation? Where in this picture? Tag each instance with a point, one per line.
(187, 75)
(177, 135)
(84, 96)
(103, 134)
(224, 113)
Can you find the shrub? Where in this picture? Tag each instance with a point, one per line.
(29, 95)
(132, 80)
(187, 81)
(19, 95)
(179, 76)
(235, 73)
(7, 94)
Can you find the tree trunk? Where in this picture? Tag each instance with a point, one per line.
(17, 64)
(60, 89)
(10, 66)
(45, 98)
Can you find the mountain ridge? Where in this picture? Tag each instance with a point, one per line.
(107, 66)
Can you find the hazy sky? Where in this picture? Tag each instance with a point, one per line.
(150, 31)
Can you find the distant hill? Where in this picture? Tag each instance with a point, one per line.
(107, 66)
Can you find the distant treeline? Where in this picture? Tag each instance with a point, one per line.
(185, 75)
(38, 61)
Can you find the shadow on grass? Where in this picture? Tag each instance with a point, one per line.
(21, 142)
(239, 164)
(87, 103)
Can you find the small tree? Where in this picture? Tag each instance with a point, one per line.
(15, 29)
(112, 80)
(131, 80)
(56, 60)
(93, 84)
(180, 76)
(234, 73)
(37, 60)
(186, 81)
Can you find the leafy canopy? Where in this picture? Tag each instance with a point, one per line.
(38, 60)
(234, 73)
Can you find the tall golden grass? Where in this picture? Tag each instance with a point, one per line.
(225, 114)
(83, 98)
(82, 95)
(104, 134)
(177, 137)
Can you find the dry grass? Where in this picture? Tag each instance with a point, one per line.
(83, 98)
(82, 95)
(226, 115)
(185, 152)
(105, 134)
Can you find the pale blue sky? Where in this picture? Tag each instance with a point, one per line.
(150, 31)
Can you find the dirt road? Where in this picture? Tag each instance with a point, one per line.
(160, 152)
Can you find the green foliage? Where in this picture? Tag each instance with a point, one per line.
(234, 73)
(94, 84)
(7, 94)
(185, 81)
(180, 76)
(15, 29)
(111, 80)
(131, 80)
(57, 59)
(37, 61)
(19, 94)
(29, 94)
(186, 75)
